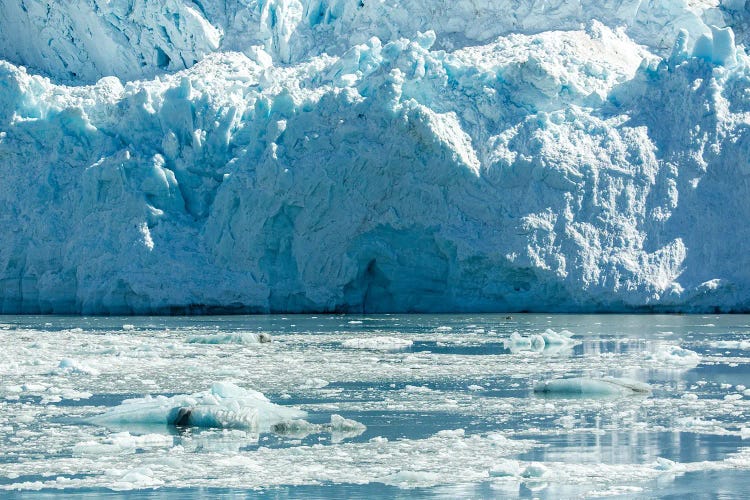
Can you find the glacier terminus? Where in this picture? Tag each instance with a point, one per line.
(374, 156)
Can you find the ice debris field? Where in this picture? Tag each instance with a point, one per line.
(444, 406)
(372, 156)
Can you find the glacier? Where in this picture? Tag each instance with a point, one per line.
(372, 156)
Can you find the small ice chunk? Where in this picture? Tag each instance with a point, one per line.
(242, 338)
(138, 478)
(128, 328)
(535, 471)
(506, 468)
(68, 365)
(731, 344)
(314, 383)
(567, 421)
(340, 428)
(417, 389)
(296, 429)
(341, 424)
(384, 344)
(549, 341)
(592, 387)
(675, 356)
(664, 464)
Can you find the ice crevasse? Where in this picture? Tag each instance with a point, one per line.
(288, 155)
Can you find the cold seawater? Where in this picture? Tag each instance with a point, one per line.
(376, 406)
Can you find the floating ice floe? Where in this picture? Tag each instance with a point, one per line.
(123, 443)
(592, 387)
(314, 383)
(743, 345)
(549, 341)
(340, 428)
(68, 365)
(224, 406)
(384, 344)
(243, 338)
(675, 356)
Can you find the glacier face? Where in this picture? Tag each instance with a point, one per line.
(290, 155)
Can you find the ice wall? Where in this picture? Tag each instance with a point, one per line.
(83, 40)
(548, 169)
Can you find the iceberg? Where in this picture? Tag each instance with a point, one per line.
(548, 342)
(591, 387)
(330, 156)
(225, 406)
(242, 338)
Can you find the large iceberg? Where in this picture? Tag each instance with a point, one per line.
(312, 155)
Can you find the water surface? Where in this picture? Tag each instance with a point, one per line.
(447, 400)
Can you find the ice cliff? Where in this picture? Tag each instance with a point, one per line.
(413, 155)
